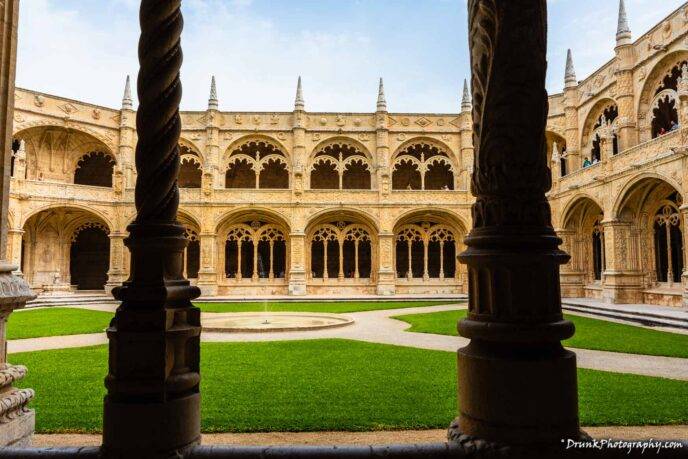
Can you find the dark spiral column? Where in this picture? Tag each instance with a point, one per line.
(152, 406)
(517, 384)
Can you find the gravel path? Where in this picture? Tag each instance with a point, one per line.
(362, 438)
(379, 327)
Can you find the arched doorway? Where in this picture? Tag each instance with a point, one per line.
(89, 257)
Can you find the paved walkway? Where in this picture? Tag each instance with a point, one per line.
(379, 327)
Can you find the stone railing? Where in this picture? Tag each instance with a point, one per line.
(633, 158)
(61, 191)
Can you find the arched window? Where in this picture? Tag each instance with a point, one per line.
(603, 130)
(89, 259)
(255, 250)
(192, 262)
(340, 166)
(257, 164)
(598, 262)
(664, 112)
(425, 250)
(341, 250)
(95, 169)
(422, 167)
(668, 244)
(16, 143)
(190, 171)
(563, 167)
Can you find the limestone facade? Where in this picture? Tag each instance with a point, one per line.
(362, 203)
(269, 199)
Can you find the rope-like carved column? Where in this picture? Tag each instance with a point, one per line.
(152, 407)
(517, 384)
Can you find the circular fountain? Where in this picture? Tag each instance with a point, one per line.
(256, 322)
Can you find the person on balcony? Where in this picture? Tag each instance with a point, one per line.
(587, 162)
(673, 126)
(662, 131)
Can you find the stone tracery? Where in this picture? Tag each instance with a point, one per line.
(340, 166)
(257, 164)
(423, 166)
(341, 250)
(255, 250)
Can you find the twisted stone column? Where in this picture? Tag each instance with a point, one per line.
(152, 406)
(517, 384)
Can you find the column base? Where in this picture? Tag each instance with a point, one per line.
(517, 393)
(297, 283)
(619, 288)
(129, 433)
(479, 448)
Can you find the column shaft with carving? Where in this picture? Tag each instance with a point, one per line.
(16, 419)
(517, 384)
(152, 406)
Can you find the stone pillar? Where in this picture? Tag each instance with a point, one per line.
(682, 107)
(299, 155)
(152, 405)
(571, 131)
(207, 274)
(14, 245)
(466, 133)
(516, 383)
(571, 278)
(625, 96)
(127, 142)
(621, 283)
(387, 273)
(684, 275)
(297, 263)
(16, 420)
(212, 147)
(384, 182)
(116, 274)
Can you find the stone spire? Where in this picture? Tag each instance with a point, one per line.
(623, 32)
(299, 103)
(466, 99)
(570, 74)
(381, 102)
(213, 102)
(127, 101)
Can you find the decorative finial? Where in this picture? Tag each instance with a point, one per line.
(381, 102)
(213, 103)
(127, 101)
(570, 74)
(299, 103)
(466, 99)
(623, 32)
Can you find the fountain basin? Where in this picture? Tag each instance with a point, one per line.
(257, 322)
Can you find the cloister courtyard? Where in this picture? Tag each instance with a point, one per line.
(390, 374)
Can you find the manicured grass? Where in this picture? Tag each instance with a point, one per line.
(590, 334)
(316, 306)
(34, 323)
(326, 385)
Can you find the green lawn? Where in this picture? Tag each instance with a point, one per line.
(326, 385)
(590, 334)
(316, 306)
(34, 323)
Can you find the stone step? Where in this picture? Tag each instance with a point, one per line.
(647, 319)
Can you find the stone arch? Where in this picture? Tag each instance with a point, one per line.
(71, 206)
(582, 233)
(553, 138)
(256, 162)
(600, 122)
(343, 245)
(253, 244)
(655, 236)
(65, 248)
(341, 163)
(422, 163)
(633, 182)
(427, 243)
(651, 86)
(191, 167)
(192, 252)
(53, 151)
(95, 169)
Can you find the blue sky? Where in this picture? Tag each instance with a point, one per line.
(83, 49)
